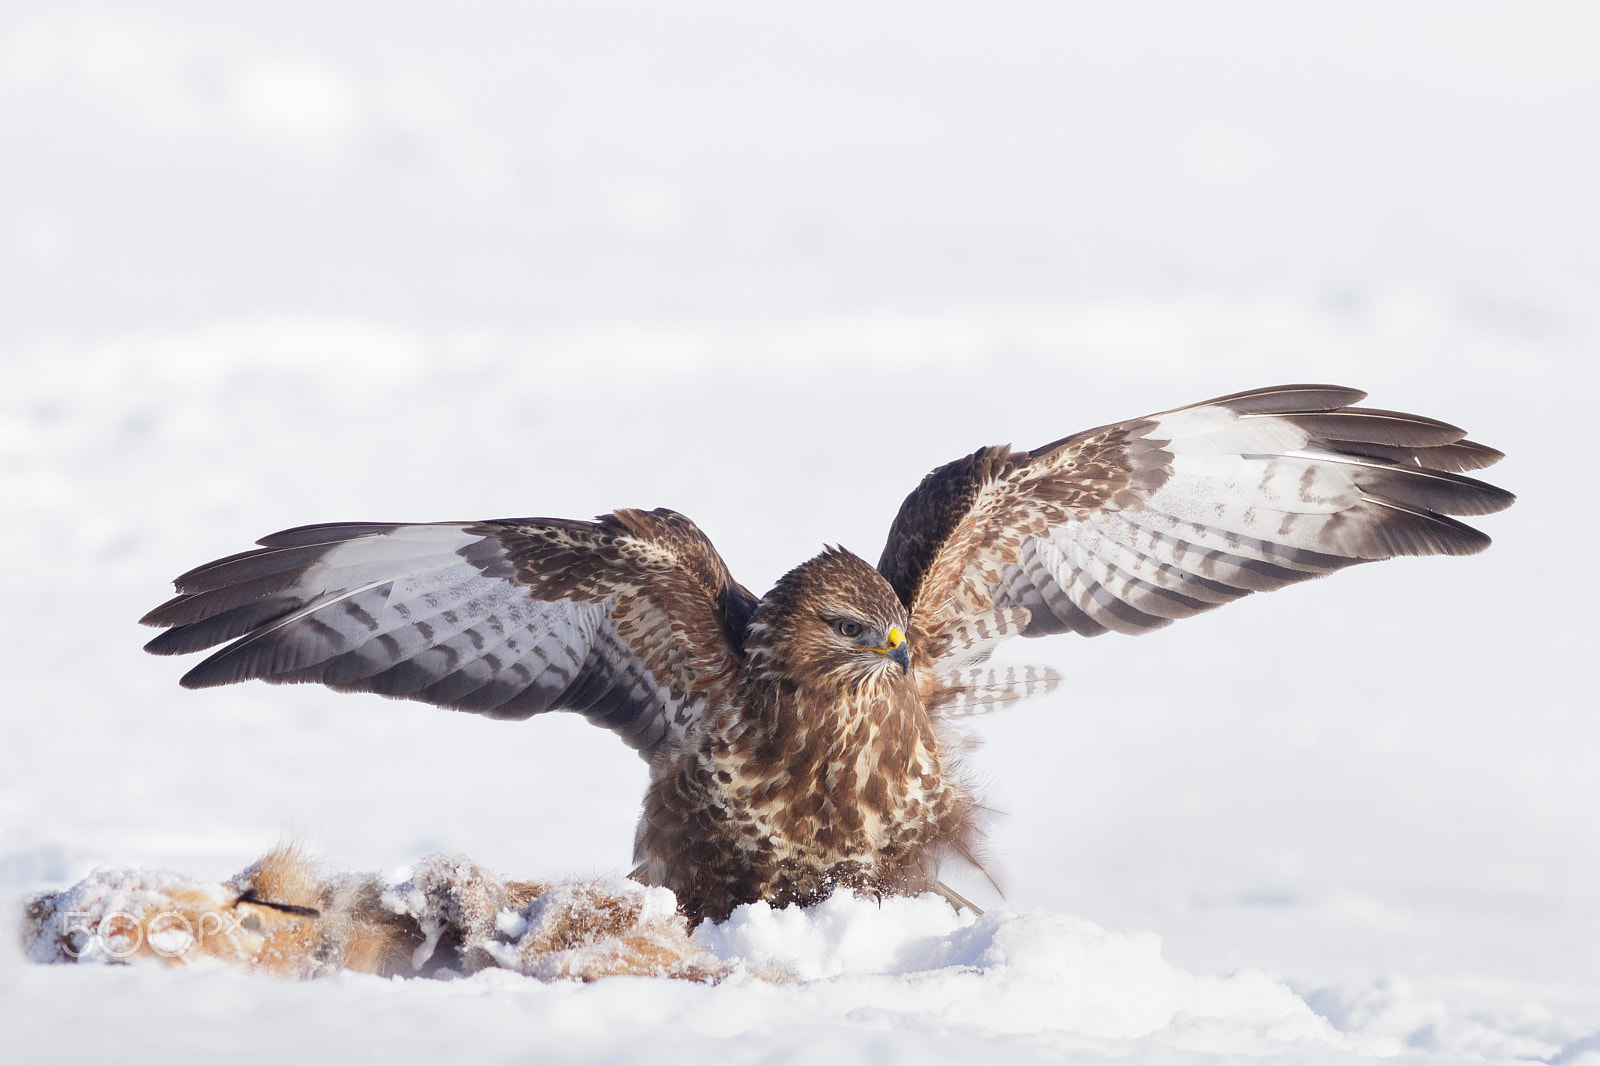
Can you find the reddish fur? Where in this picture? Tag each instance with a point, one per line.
(578, 930)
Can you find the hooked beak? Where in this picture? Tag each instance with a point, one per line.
(897, 649)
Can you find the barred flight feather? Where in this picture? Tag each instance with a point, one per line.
(972, 639)
(963, 693)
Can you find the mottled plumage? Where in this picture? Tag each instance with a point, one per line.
(795, 740)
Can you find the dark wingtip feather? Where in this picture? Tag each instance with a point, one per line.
(244, 660)
(191, 580)
(247, 566)
(201, 677)
(222, 668)
(155, 615)
(223, 626)
(1459, 457)
(1372, 426)
(1276, 399)
(1433, 490)
(1406, 531)
(324, 533)
(1480, 497)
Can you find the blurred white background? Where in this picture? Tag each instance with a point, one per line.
(274, 264)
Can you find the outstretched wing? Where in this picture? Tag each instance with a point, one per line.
(1128, 527)
(626, 619)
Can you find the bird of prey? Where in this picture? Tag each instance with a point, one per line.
(798, 741)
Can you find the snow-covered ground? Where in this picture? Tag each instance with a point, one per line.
(312, 262)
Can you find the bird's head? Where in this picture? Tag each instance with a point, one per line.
(832, 619)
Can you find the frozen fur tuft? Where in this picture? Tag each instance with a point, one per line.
(451, 917)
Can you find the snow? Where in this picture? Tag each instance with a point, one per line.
(1011, 972)
(269, 269)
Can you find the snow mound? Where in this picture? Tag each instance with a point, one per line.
(1015, 972)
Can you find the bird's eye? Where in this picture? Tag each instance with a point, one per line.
(848, 629)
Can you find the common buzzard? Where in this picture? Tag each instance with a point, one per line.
(795, 740)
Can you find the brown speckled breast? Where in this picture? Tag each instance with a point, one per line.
(790, 792)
